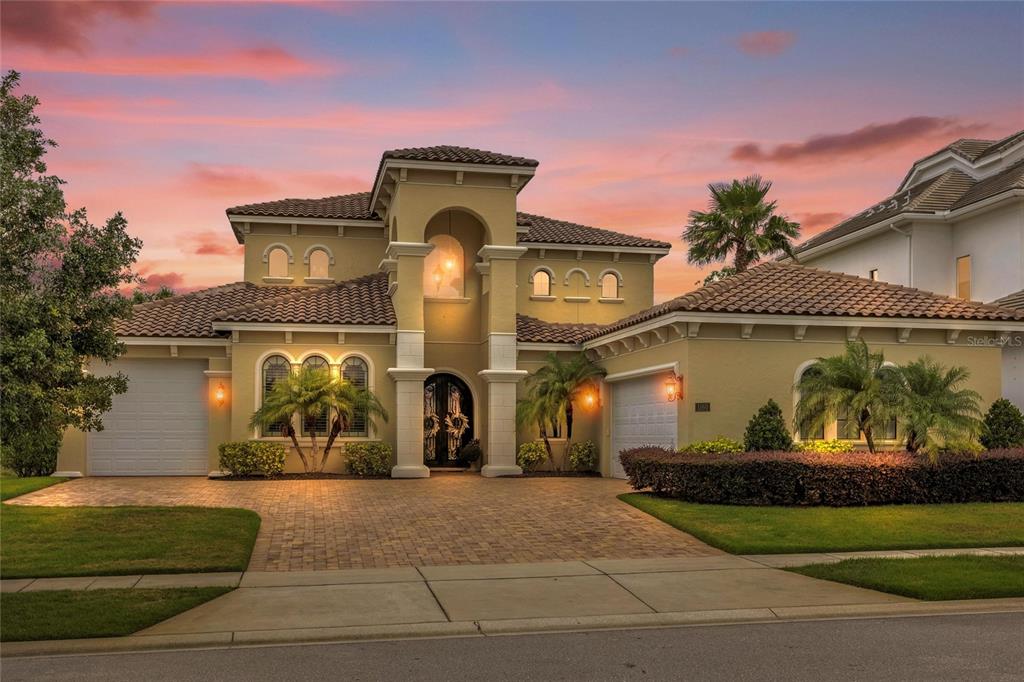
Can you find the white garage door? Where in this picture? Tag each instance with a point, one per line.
(641, 416)
(157, 428)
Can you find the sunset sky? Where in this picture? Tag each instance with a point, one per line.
(172, 112)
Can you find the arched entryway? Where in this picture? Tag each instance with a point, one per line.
(448, 421)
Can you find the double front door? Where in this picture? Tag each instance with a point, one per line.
(447, 419)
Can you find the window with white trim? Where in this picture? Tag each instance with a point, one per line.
(609, 285)
(355, 371)
(806, 432)
(321, 425)
(541, 283)
(274, 369)
(277, 263)
(319, 264)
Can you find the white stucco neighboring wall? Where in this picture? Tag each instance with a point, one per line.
(932, 267)
(995, 242)
(888, 252)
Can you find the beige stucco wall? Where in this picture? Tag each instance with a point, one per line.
(357, 253)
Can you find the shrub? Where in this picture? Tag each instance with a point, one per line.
(971, 448)
(530, 455)
(767, 430)
(583, 456)
(825, 447)
(718, 446)
(471, 451)
(32, 453)
(1004, 426)
(368, 459)
(251, 458)
(838, 480)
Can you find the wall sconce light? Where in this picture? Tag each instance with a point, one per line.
(221, 394)
(592, 397)
(674, 388)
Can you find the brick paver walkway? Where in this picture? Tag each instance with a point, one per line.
(446, 519)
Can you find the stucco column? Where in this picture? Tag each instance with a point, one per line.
(501, 422)
(409, 422)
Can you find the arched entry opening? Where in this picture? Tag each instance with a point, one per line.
(448, 421)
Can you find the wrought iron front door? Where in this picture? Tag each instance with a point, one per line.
(447, 419)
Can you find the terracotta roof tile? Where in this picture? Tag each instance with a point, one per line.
(1004, 181)
(550, 231)
(342, 207)
(451, 154)
(783, 289)
(364, 300)
(1014, 300)
(531, 330)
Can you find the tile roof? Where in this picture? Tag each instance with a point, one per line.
(784, 289)
(363, 300)
(1011, 178)
(1002, 144)
(341, 207)
(451, 154)
(544, 230)
(190, 315)
(531, 330)
(1014, 300)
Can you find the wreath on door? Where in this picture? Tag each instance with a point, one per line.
(457, 424)
(431, 425)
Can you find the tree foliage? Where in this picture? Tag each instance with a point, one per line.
(767, 430)
(1004, 426)
(740, 222)
(930, 403)
(60, 277)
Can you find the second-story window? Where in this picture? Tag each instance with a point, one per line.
(873, 274)
(319, 263)
(610, 285)
(444, 274)
(541, 283)
(277, 263)
(963, 277)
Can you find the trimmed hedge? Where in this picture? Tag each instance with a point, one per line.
(251, 458)
(824, 479)
(371, 458)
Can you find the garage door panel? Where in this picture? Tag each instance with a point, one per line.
(641, 416)
(159, 427)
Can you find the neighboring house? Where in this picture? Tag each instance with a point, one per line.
(955, 226)
(437, 293)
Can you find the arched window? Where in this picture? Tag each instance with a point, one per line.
(609, 285)
(812, 433)
(319, 264)
(541, 283)
(275, 368)
(444, 274)
(277, 263)
(317, 362)
(355, 371)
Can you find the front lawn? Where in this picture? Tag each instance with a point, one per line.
(76, 541)
(68, 614)
(931, 578)
(12, 486)
(784, 530)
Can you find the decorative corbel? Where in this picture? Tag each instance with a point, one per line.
(952, 335)
(692, 329)
(746, 330)
(904, 334)
(852, 333)
(799, 331)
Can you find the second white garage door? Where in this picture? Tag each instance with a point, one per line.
(157, 428)
(641, 416)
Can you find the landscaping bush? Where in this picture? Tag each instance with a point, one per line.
(1004, 426)
(825, 447)
(767, 430)
(531, 455)
(718, 446)
(368, 459)
(471, 452)
(827, 479)
(583, 456)
(33, 453)
(251, 458)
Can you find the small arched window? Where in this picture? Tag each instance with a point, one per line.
(355, 371)
(319, 264)
(541, 283)
(808, 432)
(277, 263)
(321, 424)
(444, 274)
(275, 368)
(609, 285)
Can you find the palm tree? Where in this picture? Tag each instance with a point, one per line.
(853, 383)
(307, 393)
(740, 221)
(931, 402)
(552, 389)
(348, 401)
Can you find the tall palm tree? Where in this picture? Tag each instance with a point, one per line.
(739, 221)
(348, 401)
(552, 389)
(307, 393)
(853, 383)
(931, 402)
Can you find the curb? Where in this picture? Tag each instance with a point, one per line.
(139, 643)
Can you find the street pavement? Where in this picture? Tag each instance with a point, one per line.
(933, 648)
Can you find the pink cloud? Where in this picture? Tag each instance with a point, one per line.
(816, 221)
(63, 25)
(268, 62)
(210, 243)
(870, 139)
(238, 182)
(679, 51)
(155, 280)
(766, 43)
(226, 181)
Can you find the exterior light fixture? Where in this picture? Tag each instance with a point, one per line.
(449, 264)
(221, 394)
(592, 397)
(674, 388)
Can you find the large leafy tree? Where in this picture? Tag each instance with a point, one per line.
(740, 222)
(854, 383)
(551, 392)
(931, 402)
(60, 277)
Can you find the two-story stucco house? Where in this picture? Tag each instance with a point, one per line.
(955, 226)
(434, 290)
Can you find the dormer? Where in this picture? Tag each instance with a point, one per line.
(977, 159)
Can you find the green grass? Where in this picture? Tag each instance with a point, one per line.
(76, 541)
(67, 614)
(931, 578)
(12, 486)
(783, 530)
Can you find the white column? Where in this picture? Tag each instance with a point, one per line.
(409, 376)
(501, 422)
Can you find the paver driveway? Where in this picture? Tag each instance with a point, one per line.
(446, 519)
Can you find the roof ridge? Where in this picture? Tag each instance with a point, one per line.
(191, 294)
(938, 182)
